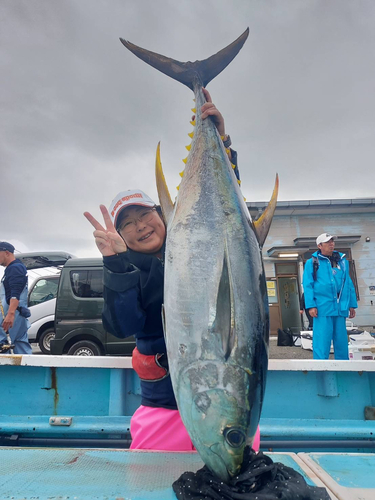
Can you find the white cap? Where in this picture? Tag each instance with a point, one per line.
(323, 238)
(126, 199)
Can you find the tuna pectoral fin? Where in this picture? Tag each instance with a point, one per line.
(223, 324)
(164, 196)
(186, 73)
(263, 224)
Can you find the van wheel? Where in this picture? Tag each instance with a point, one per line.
(44, 341)
(84, 348)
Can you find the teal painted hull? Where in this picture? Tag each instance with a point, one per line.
(305, 400)
(308, 403)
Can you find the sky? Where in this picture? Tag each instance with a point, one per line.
(80, 116)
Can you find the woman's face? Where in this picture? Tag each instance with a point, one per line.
(145, 237)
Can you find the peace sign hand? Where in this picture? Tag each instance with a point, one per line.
(108, 241)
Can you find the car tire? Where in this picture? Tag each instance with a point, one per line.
(44, 341)
(84, 348)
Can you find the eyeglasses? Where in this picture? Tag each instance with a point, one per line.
(130, 224)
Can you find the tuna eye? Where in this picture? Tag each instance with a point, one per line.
(234, 437)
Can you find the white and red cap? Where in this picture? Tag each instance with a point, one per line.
(126, 199)
(323, 238)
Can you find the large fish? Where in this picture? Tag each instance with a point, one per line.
(215, 297)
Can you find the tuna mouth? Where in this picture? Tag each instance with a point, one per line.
(146, 236)
(222, 469)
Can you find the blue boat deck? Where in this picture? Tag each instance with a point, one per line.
(93, 474)
(318, 415)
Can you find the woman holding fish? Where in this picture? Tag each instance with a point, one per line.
(132, 244)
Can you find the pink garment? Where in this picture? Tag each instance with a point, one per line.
(256, 442)
(162, 430)
(159, 429)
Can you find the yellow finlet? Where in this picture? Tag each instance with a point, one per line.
(233, 166)
(263, 224)
(185, 160)
(239, 182)
(188, 147)
(178, 188)
(227, 150)
(192, 123)
(191, 135)
(244, 199)
(182, 173)
(164, 196)
(194, 110)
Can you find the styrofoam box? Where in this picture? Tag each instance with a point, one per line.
(362, 338)
(362, 352)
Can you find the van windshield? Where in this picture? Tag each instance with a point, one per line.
(43, 290)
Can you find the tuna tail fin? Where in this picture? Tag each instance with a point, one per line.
(263, 224)
(187, 72)
(164, 196)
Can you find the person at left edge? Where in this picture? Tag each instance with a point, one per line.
(132, 244)
(13, 297)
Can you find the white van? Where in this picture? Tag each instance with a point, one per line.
(42, 296)
(42, 305)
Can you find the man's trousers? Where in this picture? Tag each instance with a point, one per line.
(326, 329)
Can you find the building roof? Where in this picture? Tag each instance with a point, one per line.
(310, 207)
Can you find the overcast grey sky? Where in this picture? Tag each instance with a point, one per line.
(81, 116)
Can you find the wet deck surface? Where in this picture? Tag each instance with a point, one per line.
(80, 474)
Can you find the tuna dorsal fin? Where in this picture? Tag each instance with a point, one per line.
(164, 196)
(263, 224)
(224, 324)
(187, 72)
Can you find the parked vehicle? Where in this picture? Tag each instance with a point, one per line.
(77, 323)
(78, 320)
(42, 304)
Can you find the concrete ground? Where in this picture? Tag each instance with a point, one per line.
(275, 352)
(294, 352)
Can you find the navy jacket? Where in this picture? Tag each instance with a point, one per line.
(14, 280)
(133, 298)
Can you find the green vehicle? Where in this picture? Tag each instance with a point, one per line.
(78, 323)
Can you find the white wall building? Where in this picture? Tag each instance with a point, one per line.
(291, 241)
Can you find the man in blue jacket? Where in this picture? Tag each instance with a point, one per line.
(13, 301)
(330, 298)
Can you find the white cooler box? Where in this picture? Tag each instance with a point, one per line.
(362, 352)
(361, 338)
(361, 346)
